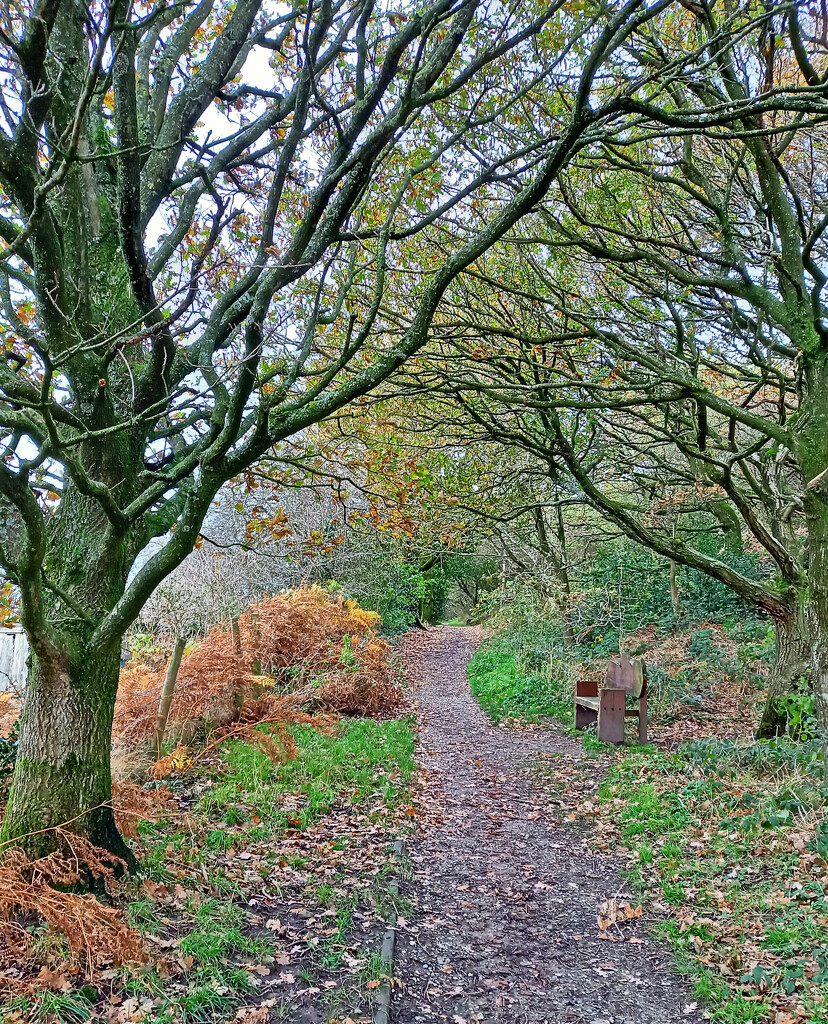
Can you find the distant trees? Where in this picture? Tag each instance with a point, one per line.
(429, 480)
(255, 541)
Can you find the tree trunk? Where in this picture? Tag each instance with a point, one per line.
(675, 599)
(818, 615)
(62, 773)
(812, 452)
(566, 627)
(792, 663)
(557, 559)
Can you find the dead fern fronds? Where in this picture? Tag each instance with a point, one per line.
(321, 651)
(286, 708)
(277, 743)
(9, 712)
(95, 934)
(177, 760)
(349, 695)
(133, 804)
(129, 763)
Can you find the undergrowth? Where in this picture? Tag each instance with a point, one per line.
(250, 898)
(513, 676)
(305, 648)
(700, 679)
(729, 844)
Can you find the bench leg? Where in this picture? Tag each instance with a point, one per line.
(584, 717)
(611, 716)
(642, 720)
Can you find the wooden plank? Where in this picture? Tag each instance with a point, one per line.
(586, 688)
(623, 674)
(586, 713)
(642, 715)
(639, 676)
(611, 716)
(619, 673)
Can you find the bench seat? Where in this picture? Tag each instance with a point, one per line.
(594, 704)
(605, 705)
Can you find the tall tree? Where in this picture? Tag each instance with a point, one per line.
(203, 207)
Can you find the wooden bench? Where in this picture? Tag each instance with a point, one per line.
(607, 705)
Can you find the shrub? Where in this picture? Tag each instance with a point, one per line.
(8, 752)
(766, 756)
(626, 587)
(392, 589)
(321, 650)
(701, 643)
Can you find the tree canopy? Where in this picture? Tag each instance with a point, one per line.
(224, 223)
(656, 330)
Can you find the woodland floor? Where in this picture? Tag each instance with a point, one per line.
(505, 897)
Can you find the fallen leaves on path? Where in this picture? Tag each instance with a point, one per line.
(614, 912)
(506, 894)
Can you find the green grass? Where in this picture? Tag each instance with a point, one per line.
(213, 941)
(51, 1008)
(216, 982)
(250, 800)
(369, 760)
(723, 847)
(507, 685)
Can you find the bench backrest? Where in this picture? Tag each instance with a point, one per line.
(623, 674)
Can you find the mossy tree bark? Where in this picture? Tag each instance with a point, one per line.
(62, 776)
(819, 634)
(792, 663)
(813, 456)
(62, 773)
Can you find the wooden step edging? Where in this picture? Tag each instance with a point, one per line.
(382, 1014)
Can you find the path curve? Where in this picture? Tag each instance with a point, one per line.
(505, 899)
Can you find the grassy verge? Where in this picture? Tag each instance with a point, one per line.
(509, 683)
(263, 898)
(728, 842)
(702, 679)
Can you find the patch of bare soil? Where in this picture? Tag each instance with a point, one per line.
(506, 899)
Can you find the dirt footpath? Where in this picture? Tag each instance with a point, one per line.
(505, 899)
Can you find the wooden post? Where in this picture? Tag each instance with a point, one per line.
(611, 716)
(167, 692)
(642, 707)
(255, 637)
(239, 695)
(586, 715)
